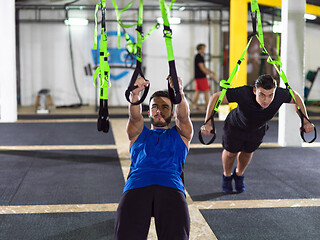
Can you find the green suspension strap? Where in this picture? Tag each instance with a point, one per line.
(138, 69)
(282, 75)
(103, 70)
(224, 85)
(255, 15)
(276, 63)
(120, 24)
(167, 32)
(133, 48)
(256, 18)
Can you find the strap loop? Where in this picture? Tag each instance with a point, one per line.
(213, 131)
(302, 131)
(131, 86)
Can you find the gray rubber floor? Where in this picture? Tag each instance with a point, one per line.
(65, 133)
(95, 176)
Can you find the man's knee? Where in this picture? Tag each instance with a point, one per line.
(230, 154)
(246, 154)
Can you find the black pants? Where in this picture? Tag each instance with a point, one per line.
(167, 205)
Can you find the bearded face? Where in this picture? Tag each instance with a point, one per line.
(160, 112)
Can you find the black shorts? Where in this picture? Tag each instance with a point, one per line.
(237, 140)
(167, 205)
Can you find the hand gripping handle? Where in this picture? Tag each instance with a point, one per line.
(131, 86)
(213, 131)
(302, 131)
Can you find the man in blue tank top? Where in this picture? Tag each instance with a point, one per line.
(245, 126)
(155, 186)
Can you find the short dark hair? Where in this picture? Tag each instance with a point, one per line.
(161, 94)
(266, 82)
(200, 45)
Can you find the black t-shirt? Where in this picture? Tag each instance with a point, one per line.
(249, 115)
(197, 71)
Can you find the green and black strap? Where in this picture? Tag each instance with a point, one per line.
(138, 70)
(256, 18)
(224, 85)
(103, 71)
(174, 93)
(278, 66)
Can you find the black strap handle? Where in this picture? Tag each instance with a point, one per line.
(302, 131)
(213, 131)
(131, 86)
(174, 94)
(103, 118)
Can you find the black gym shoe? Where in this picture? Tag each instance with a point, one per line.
(239, 182)
(227, 184)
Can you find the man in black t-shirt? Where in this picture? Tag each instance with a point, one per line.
(200, 76)
(245, 126)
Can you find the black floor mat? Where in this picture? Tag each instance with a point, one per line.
(263, 224)
(60, 177)
(70, 133)
(57, 226)
(272, 174)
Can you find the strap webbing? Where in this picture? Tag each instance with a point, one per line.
(138, 70)
(174, 93)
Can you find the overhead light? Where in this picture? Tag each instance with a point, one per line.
(76, 21)
(172, 20)
(277, 27)
(309, 16)
(182, 8)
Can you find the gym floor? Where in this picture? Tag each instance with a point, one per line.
(62, 179)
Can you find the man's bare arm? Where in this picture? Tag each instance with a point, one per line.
(135, 122)
(206, 128)
(308, 127)
(183, 121)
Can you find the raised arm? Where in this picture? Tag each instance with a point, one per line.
(183, 121)
(308, 127)
(206, 128)
(135, 122)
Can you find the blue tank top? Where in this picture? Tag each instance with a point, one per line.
(157, 158)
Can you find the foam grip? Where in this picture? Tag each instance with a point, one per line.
(103, 118)
(103, 124)
(174, 94)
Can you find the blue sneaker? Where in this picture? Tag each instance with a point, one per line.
(227, 184)
(239, 182)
